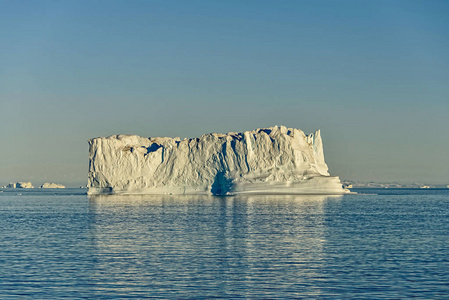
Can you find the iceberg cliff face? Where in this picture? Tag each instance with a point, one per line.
(270, 160)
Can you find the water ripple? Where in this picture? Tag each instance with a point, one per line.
(271, 247)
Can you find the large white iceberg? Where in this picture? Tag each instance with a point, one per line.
(275, 160)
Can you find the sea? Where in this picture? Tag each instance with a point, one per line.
(377, 244)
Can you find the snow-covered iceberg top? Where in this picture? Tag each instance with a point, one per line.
(276, 160)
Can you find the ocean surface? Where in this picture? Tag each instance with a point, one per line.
(382, 244)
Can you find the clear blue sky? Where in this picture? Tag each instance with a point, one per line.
(372, 75)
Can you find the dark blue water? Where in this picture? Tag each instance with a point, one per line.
(61, 244)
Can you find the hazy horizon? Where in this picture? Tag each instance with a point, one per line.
(372, 76)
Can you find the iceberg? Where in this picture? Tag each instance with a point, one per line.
(51, 185)
(274, 160)
(19, 185)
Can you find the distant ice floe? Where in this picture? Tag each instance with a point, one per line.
(51, 185)
(18, 185)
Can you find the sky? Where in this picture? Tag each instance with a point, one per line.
(372, 75)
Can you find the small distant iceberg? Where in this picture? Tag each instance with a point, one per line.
(274, 160)
(51, 185)
(18, 185)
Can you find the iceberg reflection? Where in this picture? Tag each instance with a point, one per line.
(223, 244)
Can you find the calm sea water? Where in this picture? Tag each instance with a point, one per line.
(387, 244)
